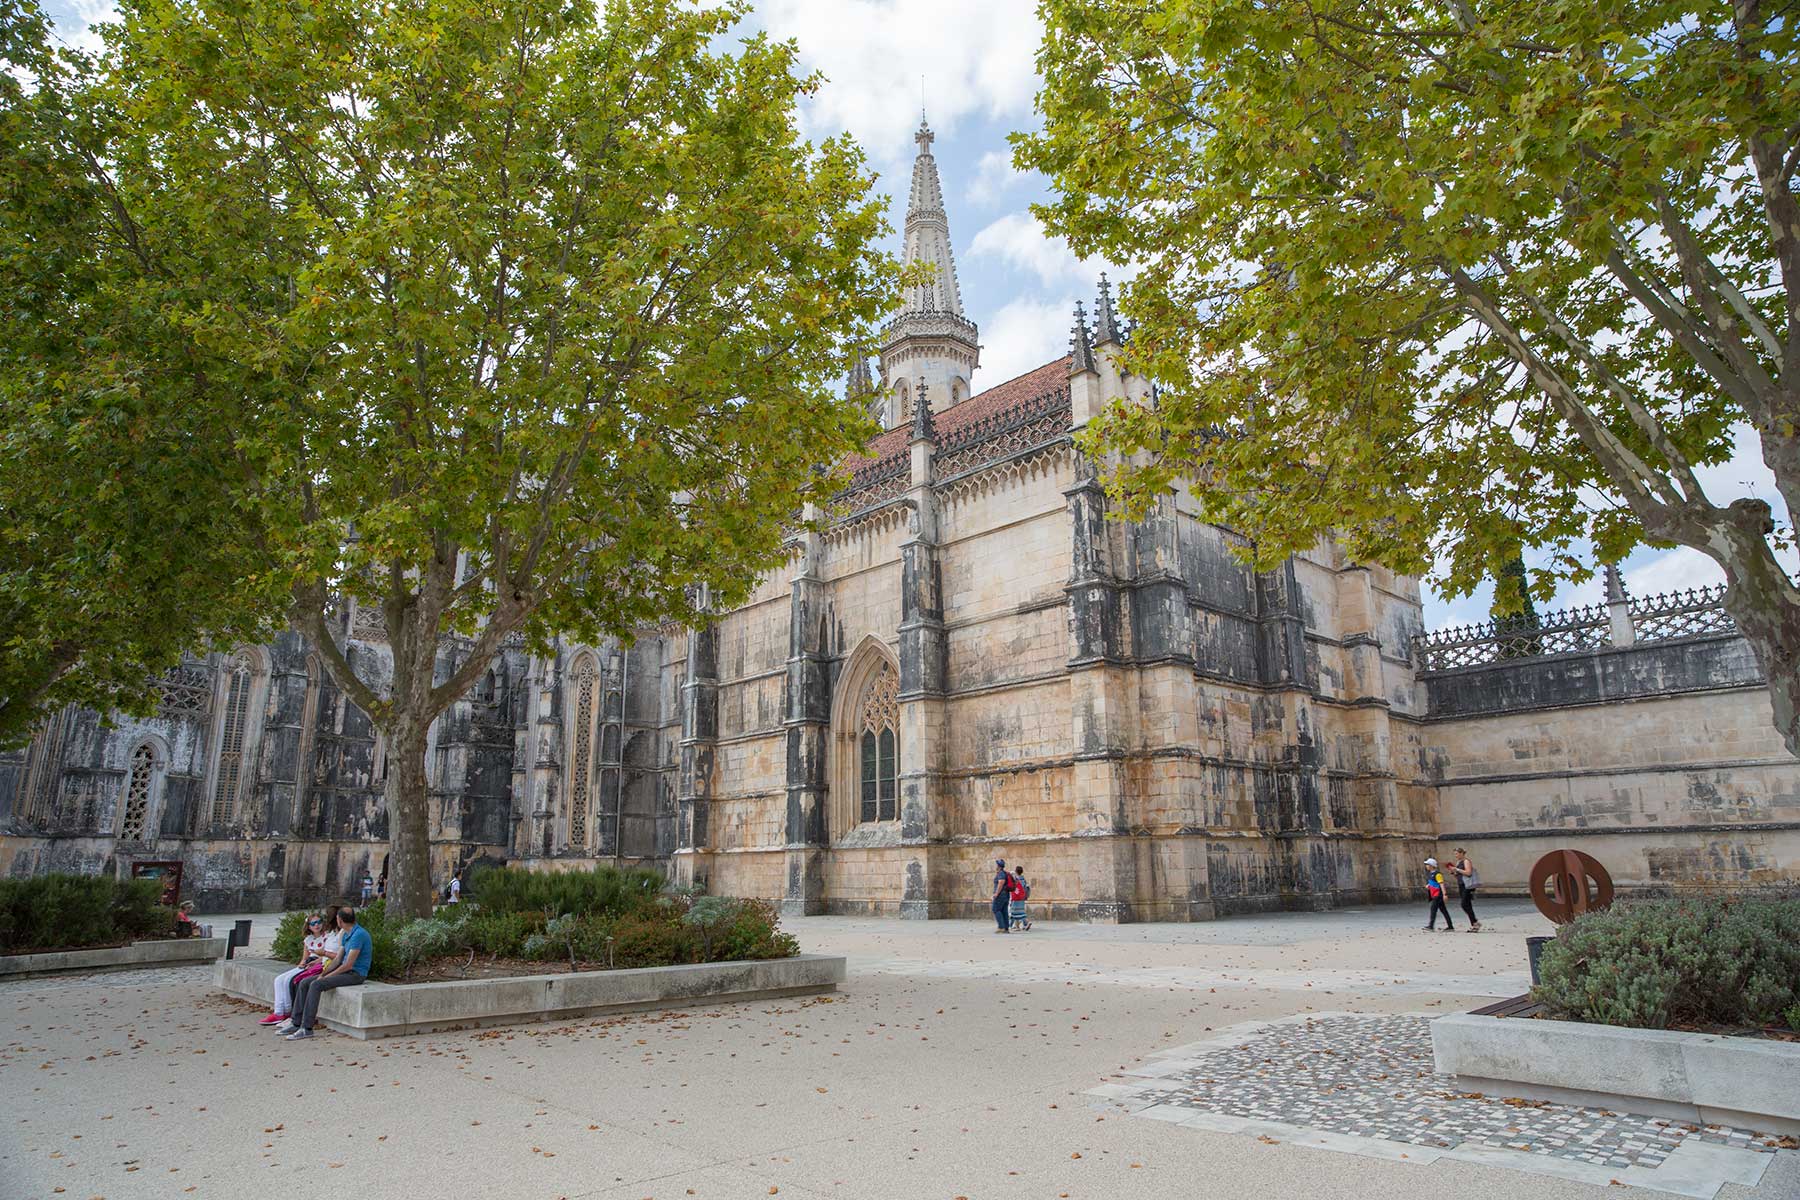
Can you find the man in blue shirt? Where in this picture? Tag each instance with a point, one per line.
(1002, 894)
(350, 967)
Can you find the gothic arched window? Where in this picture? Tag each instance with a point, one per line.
(309, 733)
(880, 748)
(234, 737)
(138, 798)
(581, 747)
(43, 767)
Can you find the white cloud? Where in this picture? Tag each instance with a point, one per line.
(1023, 335)
(976, 59)
(994, 174)
(1672, 570)
(1018, 240)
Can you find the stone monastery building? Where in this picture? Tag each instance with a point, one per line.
(972, 662)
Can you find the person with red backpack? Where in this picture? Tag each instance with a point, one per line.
(1018, 893)
(1434, 888)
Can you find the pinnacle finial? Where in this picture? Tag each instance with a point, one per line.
(860, 383)
(1081, 353)
(1615, 584)
(922, 426)
(924, 137)
(1106, 322)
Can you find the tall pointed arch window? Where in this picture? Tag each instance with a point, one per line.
(234, 733)
(880, 748)
(138, 793)
(43, 767)
(583, 689)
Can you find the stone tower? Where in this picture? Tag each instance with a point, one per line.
(930, 340)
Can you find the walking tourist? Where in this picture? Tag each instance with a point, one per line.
(1467, 880)
(318, 946)
(1002, 895)
(456, 889)
(381, 887)
(348, 968)
(1434, 888)
(368, 888)
(1020, 892)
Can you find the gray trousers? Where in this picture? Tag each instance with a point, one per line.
(306, 996)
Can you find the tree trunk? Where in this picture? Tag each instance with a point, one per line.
(1761, 600)
(410, 889)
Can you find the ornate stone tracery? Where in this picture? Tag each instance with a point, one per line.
(137, 793)
(581, 756)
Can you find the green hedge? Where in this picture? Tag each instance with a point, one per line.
(1703, 961)
(70, 912)
(603, 891)
(599, 918)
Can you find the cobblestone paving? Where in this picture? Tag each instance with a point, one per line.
(1372, 1077)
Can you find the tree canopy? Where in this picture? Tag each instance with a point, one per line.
(1446, 280)
(547, 301)
(122, 542)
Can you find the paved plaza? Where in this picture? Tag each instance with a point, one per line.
(1269, 1056)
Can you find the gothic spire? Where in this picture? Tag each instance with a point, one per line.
(928, 235)
(860, 383)
(1106, 322)
(1081, 353)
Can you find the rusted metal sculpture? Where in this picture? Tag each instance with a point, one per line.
(1566, 883)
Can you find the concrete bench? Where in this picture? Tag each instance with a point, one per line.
(163, 952)
(375, 1010)
(1704, 1078)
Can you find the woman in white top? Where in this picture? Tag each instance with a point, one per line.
(319, 945)
(1467, 880)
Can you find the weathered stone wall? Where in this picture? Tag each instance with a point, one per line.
(1660, 760)
(307, 818)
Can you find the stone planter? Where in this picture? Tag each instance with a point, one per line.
(375, 1010)
(172, 952)
(1702, 1078)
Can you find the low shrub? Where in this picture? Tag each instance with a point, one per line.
(56, 912)
(496, 933)
(417, 941)
(654, 939)
(731, 929)
(1701, 961)
(603, 891)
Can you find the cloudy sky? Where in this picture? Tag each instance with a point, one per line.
(972, 67)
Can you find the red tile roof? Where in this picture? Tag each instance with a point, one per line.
(1000, 398)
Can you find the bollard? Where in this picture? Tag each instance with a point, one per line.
(1534, 950)
(240, 936)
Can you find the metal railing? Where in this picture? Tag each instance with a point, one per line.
(1696, 612)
